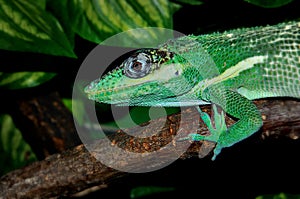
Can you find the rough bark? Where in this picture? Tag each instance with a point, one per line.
(76, 170)
(46, 124)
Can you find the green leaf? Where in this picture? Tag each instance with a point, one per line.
(63, 12)
(190, 2)
(26, 26)
(279, 196)
(143, 191)
(19, 80)
(77, 109)
(98, 20)
(269, 3)
(15, 152)
(40, 3)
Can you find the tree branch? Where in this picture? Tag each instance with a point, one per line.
(46, 124)
(76, 169)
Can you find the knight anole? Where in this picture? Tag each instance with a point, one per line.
(228, 69)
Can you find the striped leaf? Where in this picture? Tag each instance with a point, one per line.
(19, 80)
(98, 20)
(190, 2)
(15, 152)
(26, 26)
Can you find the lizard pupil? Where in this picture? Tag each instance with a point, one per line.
(137, 66)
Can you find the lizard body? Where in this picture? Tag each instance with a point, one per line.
(228, 69)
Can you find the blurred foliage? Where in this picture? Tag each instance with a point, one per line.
(269, 3)
(18, 80)
(278, 196)
(49, 27)
(15, 152)
(28, 26)
(143, 191)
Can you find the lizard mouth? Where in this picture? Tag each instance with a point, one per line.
(120, 94)
(93, 87)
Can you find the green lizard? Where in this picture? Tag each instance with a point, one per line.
(228, 69)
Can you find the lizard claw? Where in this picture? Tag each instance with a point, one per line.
(215, 130)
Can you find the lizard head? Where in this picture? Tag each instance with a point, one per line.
(143, 76)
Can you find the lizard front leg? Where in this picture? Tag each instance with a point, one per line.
(237, 106)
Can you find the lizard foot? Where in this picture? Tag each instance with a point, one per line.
(215, 130)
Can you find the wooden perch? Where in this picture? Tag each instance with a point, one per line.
(76, 170)
(46, 124)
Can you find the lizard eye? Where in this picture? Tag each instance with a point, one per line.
(137, 66)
